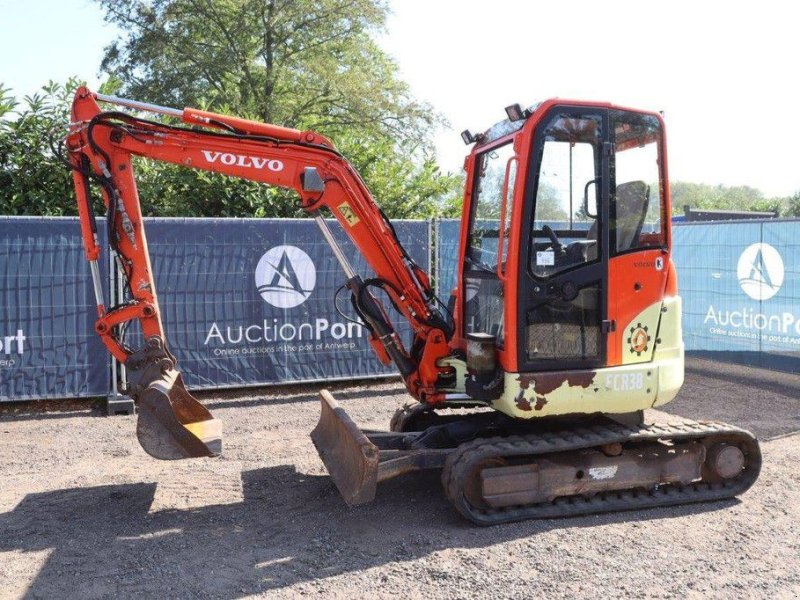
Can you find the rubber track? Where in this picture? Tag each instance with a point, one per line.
(461, 462)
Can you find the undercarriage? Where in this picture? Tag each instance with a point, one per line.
(497, 470)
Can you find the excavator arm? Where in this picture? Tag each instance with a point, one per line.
(172, 424)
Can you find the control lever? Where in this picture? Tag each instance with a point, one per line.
(558, 247)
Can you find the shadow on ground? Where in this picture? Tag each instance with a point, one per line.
(289, 528)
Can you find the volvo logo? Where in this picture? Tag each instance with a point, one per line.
(285, 276)
(243, 160)
(760, 271)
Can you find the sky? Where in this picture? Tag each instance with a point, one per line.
(724, 73)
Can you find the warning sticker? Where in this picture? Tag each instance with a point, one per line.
(546, 258)
(348, 214)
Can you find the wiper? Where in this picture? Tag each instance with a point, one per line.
(480, 265)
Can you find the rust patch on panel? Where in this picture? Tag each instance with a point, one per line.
(540, 402)
(522, 402)
(545, 383)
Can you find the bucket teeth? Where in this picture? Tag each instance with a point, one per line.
(173, 424)
(350, 457)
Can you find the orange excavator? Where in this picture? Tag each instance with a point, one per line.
(530, 382)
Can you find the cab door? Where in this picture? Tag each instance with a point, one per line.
(563, 269)
(639, 251)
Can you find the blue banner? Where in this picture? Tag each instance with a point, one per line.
(251, 301)
(740, 282)
(248, 302)
(48, 347)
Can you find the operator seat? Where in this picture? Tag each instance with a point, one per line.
(629, 211)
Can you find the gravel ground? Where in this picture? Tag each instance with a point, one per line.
(85, 513)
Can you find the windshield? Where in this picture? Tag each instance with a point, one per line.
(483, 293)
(484, 232)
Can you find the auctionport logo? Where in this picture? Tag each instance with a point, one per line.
(285, 276)
(12, 346)
(761, 274)
(760, 271)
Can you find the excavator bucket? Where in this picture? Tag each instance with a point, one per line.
(350, 457)
(173, 425)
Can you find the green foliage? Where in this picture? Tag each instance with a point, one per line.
(32, 180)
(700, 195)
(549, 205)
(403, 188)
(793, 205)
(7, 101)
(306, 64)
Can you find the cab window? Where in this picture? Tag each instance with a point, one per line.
(483, 291)
(565, 222)
(637, 203)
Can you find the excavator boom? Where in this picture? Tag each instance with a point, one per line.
(172, 424)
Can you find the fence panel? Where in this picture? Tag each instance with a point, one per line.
(781, 339)
(705, 257)
(250, 301)
(741, 290)
(48, 347)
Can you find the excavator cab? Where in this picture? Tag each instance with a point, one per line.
(565, 262)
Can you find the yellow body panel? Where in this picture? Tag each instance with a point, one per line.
(612, 390)
(646, 324)
(205, 430)
(669, 351)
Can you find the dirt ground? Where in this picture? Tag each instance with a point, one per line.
(85, 513)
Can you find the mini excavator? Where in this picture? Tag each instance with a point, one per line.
(529, 383)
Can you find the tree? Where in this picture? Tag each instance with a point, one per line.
(32, 179)
(306, 64)
(794, 205)
(700, 195)
(549, 206)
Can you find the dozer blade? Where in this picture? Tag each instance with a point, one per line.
(173, 425)
(349, 456)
